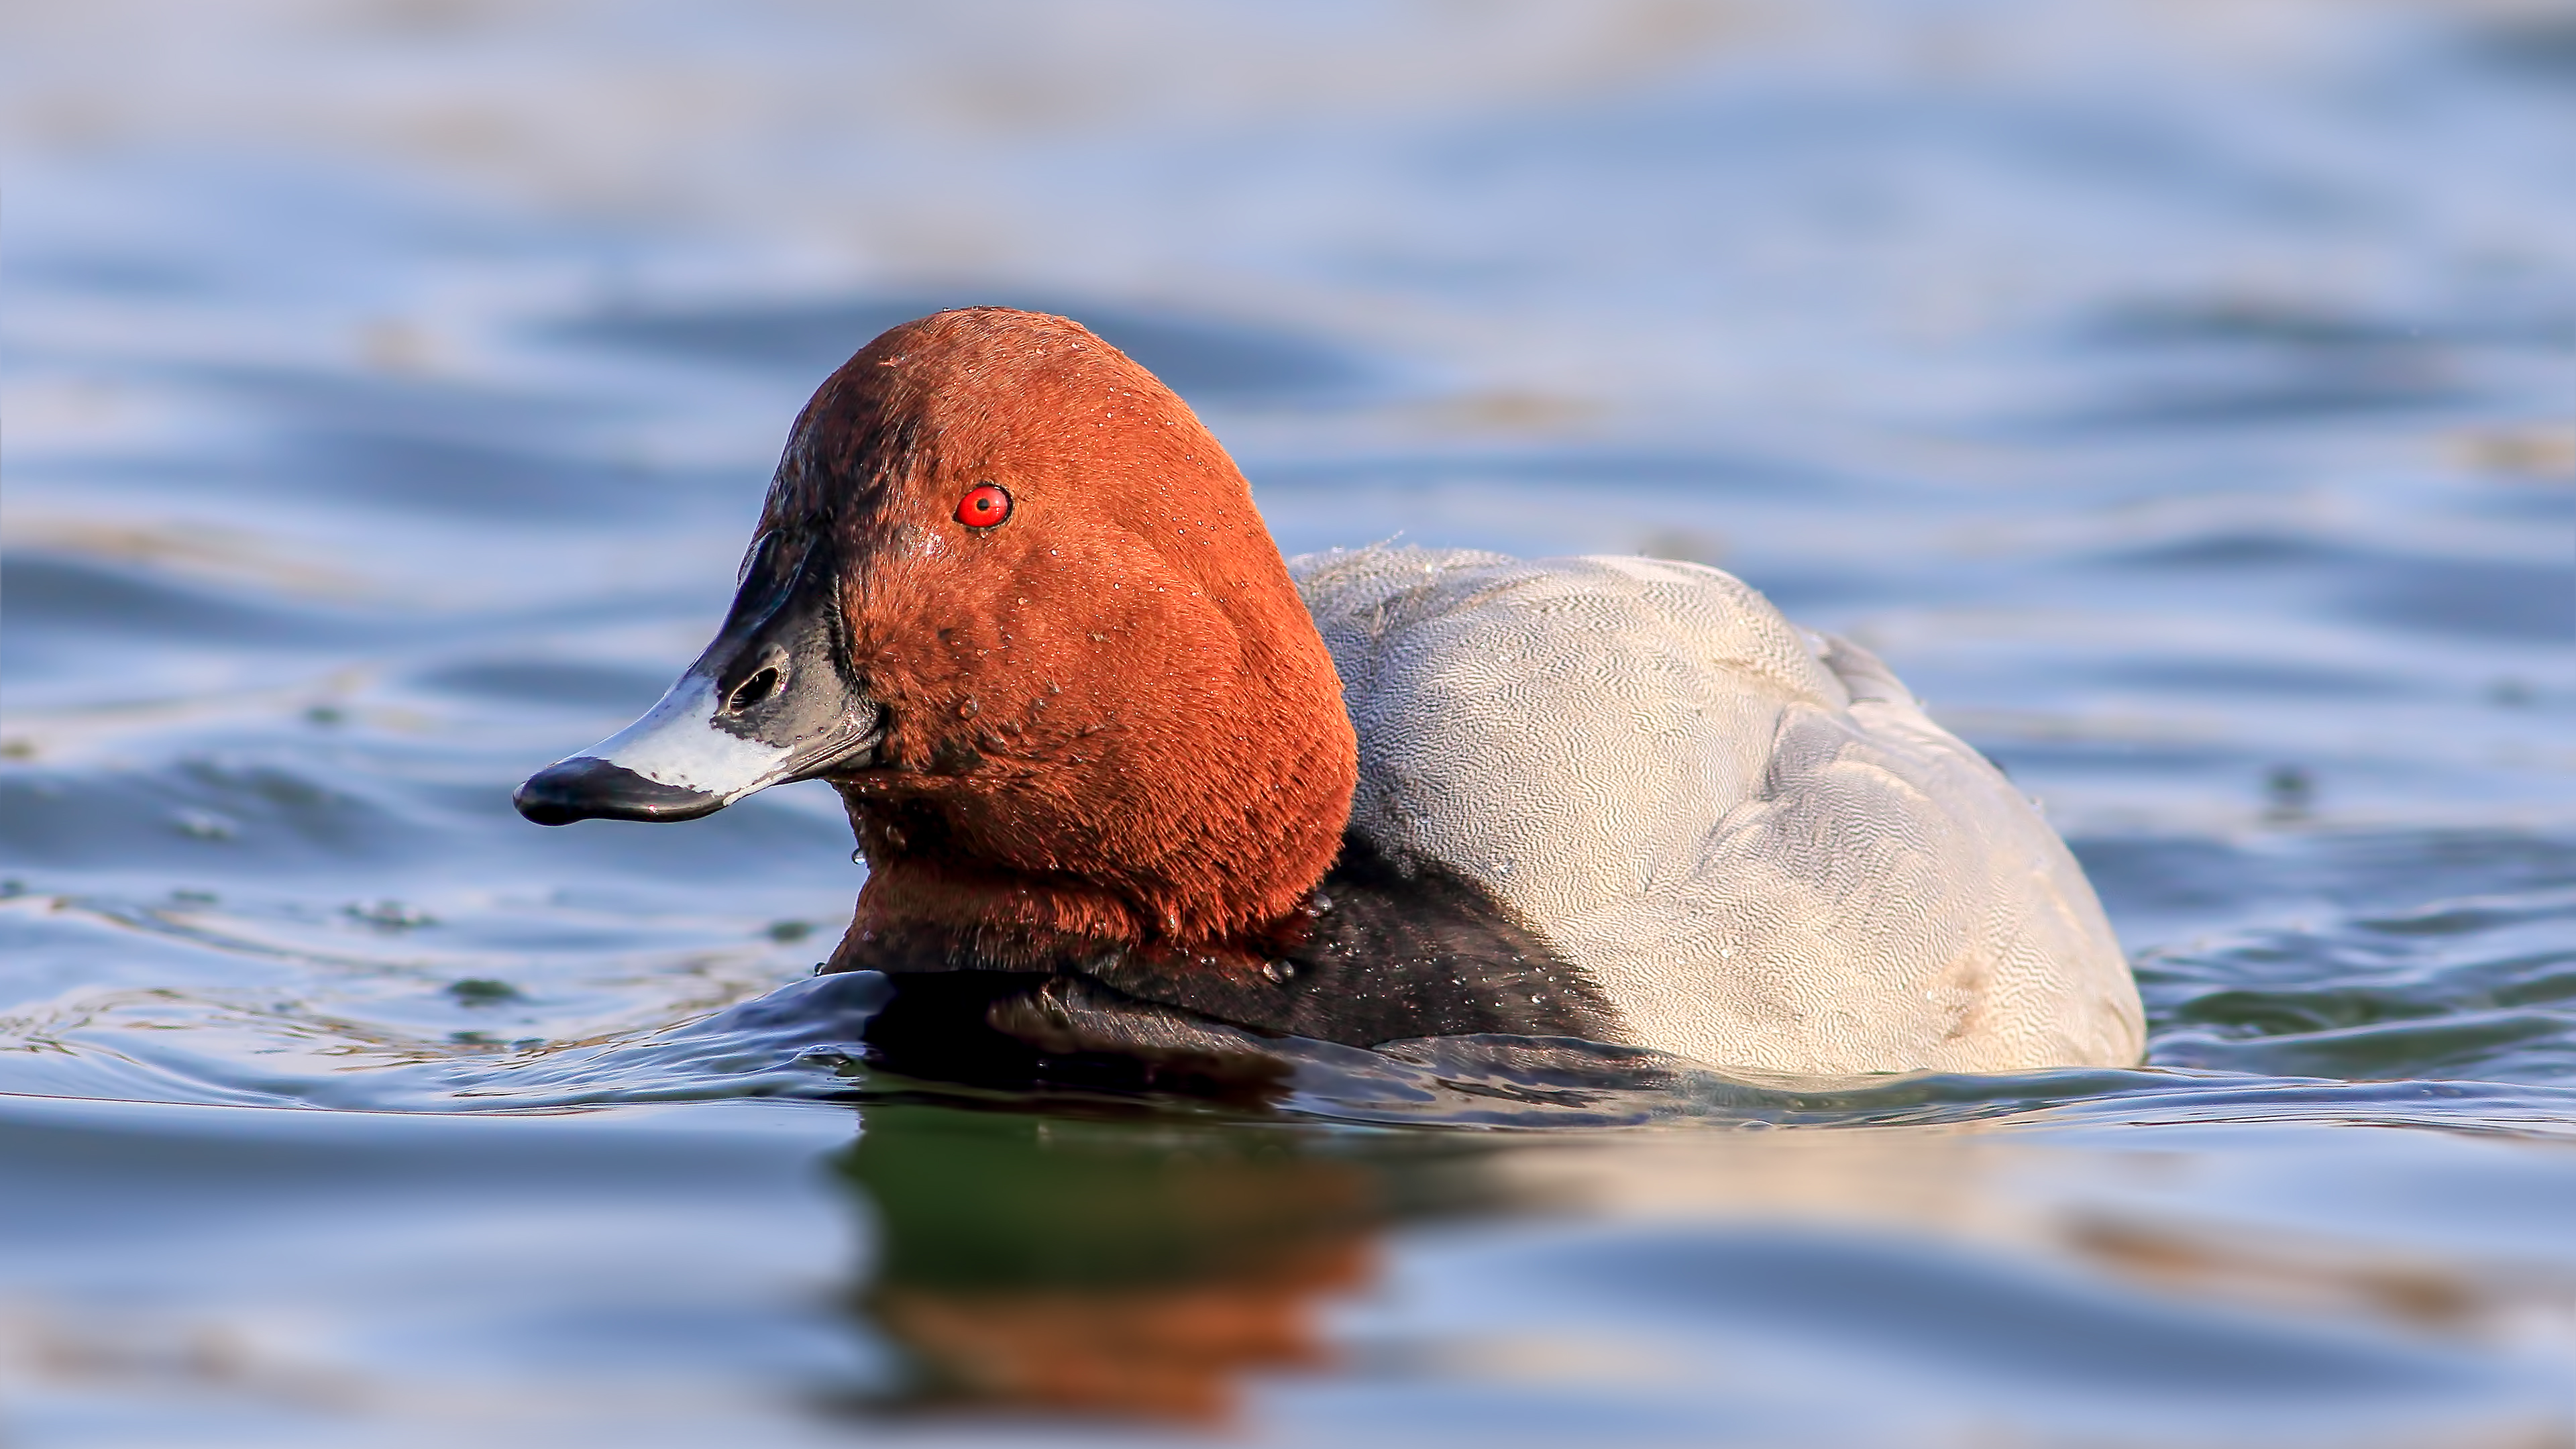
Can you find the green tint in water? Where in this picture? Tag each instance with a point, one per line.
(2483, 989)
(2176, 399)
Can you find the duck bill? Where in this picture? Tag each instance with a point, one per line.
(768, 702)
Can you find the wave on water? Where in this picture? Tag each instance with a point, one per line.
(2484, 986)
(2456, 1015)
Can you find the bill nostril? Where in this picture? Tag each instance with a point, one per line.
(753, 690)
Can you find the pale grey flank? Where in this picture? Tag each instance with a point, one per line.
(1747, 833)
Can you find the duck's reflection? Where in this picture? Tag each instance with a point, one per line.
(1117, 1267)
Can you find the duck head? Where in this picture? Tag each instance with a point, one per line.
(1013, 600)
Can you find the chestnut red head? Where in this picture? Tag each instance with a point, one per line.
(1100, 711)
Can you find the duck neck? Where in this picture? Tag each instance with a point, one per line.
(1224, 890)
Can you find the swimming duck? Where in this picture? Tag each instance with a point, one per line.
(1128, 782)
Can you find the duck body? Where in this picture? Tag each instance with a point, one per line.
(1134, 789)
(1745, 835)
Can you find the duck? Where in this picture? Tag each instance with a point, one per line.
(1132, 787)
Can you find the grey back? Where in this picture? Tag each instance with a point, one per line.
(1745, 832)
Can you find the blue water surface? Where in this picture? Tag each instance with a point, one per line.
(2179, 397)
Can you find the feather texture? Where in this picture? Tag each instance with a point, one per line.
(1747, 834)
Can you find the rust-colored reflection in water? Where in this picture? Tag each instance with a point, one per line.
(2174, 395)
(1089, 1266)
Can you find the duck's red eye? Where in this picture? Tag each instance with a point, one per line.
(984, 505)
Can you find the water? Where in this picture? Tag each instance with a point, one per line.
(2177, 396)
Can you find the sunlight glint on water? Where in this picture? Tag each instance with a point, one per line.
(2177, 397)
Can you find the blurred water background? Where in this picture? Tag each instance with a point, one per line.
(2181, 395)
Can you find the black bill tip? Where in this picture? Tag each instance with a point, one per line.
(586, 787)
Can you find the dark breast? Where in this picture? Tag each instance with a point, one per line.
(1394, 948)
